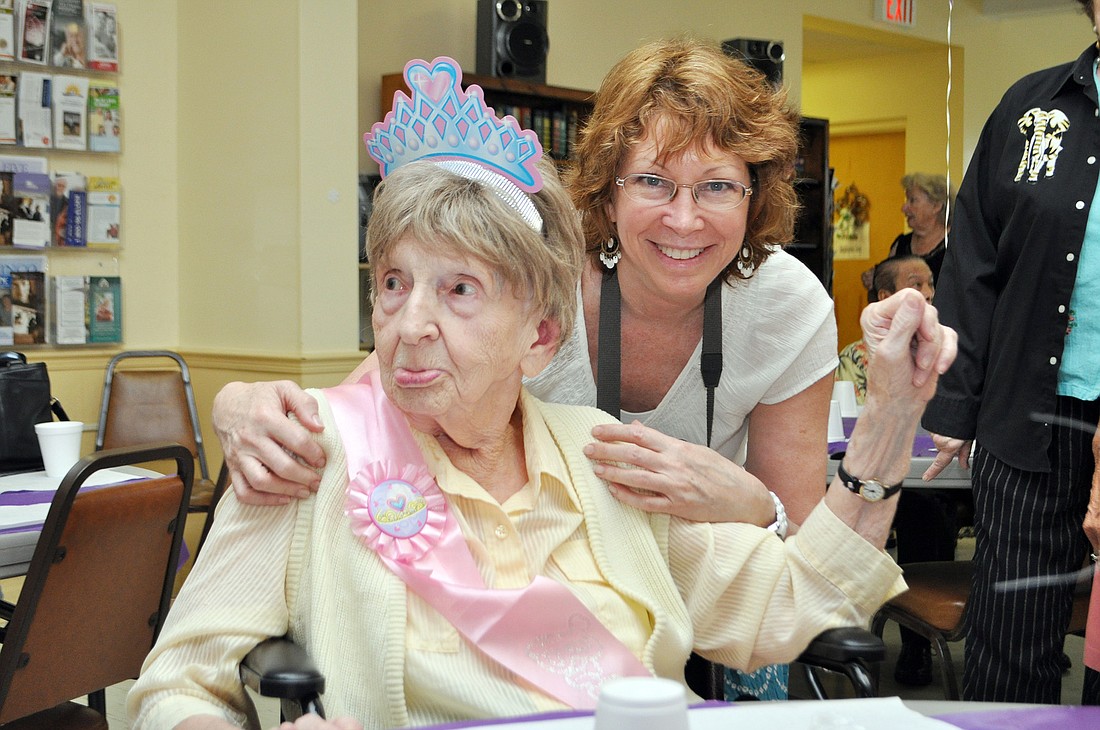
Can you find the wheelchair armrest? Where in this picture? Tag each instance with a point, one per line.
(280, 668)
(842, 645)
(848, 650)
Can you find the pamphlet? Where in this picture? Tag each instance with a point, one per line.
(34, 98)
(70, 98)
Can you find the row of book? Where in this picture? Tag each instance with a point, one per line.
(38, 309)
(556, 128)
(58, 209)
(64, 33)
(64, 112)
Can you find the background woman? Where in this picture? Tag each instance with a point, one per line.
(928, 209)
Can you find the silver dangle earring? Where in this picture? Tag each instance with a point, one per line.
(610, 253)
(744, 262)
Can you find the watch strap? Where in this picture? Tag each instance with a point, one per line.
(872, 490)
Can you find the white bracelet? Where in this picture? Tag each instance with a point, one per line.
(779, 527)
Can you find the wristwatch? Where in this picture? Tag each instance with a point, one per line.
(871, 490)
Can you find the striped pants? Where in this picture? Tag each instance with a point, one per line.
(1028, 524)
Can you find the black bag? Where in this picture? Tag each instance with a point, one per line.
(24, 401)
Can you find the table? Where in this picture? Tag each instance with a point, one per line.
(24, 503)
(878, 712)
(924, 453)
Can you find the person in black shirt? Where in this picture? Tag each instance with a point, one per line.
(1021, 284)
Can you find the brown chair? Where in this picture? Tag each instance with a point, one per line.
(935, 607)
(150, 405)
(96, 593)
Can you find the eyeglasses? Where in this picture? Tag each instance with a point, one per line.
(709, 194)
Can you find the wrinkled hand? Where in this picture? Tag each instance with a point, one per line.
(271, 457)
(658, 473)
(313, 722)
(907, 329)
(948, 448)
(1092, 514)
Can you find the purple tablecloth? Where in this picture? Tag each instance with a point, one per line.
(24, 498)
(922, 444)
(1062, 717)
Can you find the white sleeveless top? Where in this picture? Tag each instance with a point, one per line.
(778, 338)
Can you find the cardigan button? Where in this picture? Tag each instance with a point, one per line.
(1053, 361)
(1080, 205)
(1070, 257)
(1061, 309)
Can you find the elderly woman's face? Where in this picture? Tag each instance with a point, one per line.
(921, 214)
(452, 340)
(677, 248)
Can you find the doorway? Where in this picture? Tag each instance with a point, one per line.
(875, 163)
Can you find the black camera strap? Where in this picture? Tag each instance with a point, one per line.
(609, 358)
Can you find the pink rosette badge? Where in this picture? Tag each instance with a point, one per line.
(398, 511)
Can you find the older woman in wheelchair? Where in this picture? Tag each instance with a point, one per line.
(463, 557)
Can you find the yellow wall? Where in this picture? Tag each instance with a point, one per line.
(242, 136)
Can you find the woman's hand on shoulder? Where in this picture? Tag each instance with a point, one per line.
(270, 456)
(657, 473)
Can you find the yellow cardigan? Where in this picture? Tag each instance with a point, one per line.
(735, 593)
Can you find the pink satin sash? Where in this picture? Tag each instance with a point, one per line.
(1092, 628)
(542, 632)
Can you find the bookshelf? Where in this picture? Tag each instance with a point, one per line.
(813, 234)
(59, 284)
(555, 113)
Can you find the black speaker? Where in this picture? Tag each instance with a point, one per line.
(512, 40)
(765, 56)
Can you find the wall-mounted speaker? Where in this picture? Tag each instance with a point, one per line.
(765, 56)
(512, 40)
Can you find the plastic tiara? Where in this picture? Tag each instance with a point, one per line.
(441, 122)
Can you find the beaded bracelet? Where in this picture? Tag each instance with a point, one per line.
(779, 527)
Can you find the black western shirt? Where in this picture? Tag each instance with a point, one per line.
(1012, 261)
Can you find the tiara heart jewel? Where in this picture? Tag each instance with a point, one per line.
(442, 122)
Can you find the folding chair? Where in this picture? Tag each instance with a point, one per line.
(96, 593)
(152, 405)
(935, 608)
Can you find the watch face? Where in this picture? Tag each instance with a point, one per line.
(872, 491)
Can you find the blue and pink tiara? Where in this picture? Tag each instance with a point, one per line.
(442, 123)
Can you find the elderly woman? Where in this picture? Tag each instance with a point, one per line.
(475, 563)
(929, 207)
(683, 182)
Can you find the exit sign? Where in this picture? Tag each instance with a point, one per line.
(896, 12)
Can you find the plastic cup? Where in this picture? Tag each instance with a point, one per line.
(642, 703)
(844, 392)
(59, 442)
(836, 424)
